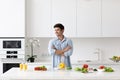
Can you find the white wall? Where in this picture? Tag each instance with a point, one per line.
(84, 48)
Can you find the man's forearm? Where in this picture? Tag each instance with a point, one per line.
(61, 52)
(67, 48)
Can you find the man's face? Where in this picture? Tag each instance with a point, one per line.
(58, 31)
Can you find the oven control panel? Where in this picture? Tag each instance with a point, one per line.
(11, 52)
(11, 56)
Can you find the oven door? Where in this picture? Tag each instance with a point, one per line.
(7, 66)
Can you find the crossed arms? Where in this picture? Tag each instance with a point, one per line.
(67, 51)
(61, 52)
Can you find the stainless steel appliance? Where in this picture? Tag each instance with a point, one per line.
(12, 52)
(12, 48)
(10, 44)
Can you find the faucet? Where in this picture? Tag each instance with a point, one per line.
(32, 43)
(98, 52)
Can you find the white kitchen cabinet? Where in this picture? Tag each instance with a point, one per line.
(111, 18)
(64, 11)
(81, 18)
(12, 18)
(88, 18)
(38, 16)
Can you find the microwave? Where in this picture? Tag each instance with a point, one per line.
(12, 44)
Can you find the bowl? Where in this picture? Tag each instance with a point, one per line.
(90, 70)
(115, 60)
(101, 70)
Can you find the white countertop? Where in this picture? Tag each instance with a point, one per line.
(15, 74)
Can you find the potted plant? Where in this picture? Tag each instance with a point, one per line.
(31, 58)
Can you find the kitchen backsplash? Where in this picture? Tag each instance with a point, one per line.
(84, 48)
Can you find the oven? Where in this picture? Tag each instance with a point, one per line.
(12, 53)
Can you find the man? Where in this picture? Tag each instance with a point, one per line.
(60, 47)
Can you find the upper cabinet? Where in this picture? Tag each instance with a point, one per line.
(111, 18)
(81, 18)
(88, 18)
(12, 18)
(38, 18)
(64, 11)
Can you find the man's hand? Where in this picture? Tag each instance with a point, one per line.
(53, 47)
(59, 52)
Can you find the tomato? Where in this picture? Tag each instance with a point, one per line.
(85, 65)
(36, 68)
(101, 67)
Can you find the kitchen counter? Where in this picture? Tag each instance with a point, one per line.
(16, 74)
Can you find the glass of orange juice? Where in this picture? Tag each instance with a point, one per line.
(24, 67)
(21, 66)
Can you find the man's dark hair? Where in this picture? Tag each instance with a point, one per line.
(59, 25)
